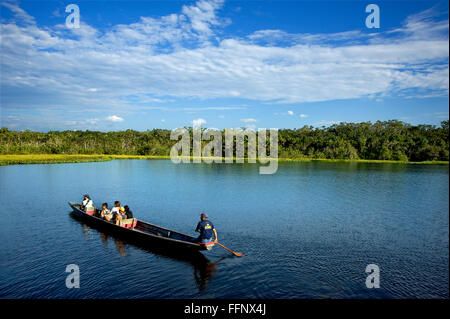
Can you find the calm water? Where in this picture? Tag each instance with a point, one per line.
(308, 231)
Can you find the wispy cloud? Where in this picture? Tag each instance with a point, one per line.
(251, 127)
(114, 118)
(249, 120)
(326, 123)
(183, 56)
(198, 122)
(203, 15)
(20, 14)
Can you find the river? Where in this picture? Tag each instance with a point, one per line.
(308, 231)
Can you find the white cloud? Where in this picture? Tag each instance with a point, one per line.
(213, 108)
(188, 109)
(290, 112)
(275, 37)
(93, 121)
(422, 25)
(249, 120)
(180, 56)
(198, 122)
(303, 115)
(250, 127)
(163, 120)
(114, 118)
(203, 15)
(18, 12)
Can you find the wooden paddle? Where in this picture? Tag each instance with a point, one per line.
(235, 253)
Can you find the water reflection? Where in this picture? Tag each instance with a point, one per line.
(204, 269)
(86, 231)
(120, 245)
(104, 238)
(202, 275)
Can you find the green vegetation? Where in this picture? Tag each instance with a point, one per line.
(386, 141)
(65, 158)
(391, 140)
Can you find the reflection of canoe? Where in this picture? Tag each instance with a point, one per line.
(144, 232)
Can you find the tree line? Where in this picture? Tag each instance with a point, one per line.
(388, 140)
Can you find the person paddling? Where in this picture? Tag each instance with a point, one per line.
(206, 230)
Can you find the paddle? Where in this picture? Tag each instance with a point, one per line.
(235, 253)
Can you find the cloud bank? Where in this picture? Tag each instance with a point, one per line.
(183, 56)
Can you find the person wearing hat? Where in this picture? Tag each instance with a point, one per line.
(206, 230)
(122, 213)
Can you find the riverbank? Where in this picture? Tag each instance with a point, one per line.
(66, 158)
(81, 158)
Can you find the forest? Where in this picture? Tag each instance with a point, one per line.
(388, 140)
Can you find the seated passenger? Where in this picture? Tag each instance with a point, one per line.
(106, 213)
(122, 215)
(128, 212)
(116, 211)
(87, 204)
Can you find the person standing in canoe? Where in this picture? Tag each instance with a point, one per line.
(206, 230)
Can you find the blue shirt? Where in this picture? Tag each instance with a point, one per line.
(205, 227)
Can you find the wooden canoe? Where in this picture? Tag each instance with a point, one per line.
(145, 232)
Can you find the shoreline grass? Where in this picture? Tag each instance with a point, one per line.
(19, 159)
(359, 161)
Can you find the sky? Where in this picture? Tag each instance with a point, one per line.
(221, 64)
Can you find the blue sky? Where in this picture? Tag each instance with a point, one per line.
(257, 64)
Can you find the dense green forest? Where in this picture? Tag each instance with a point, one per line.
(390, 140)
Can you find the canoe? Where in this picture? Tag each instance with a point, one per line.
(143, 231)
